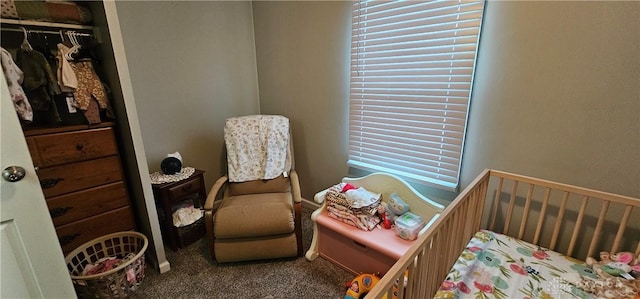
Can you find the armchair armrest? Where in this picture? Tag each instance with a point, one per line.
(295, 186)
(209, 211)
(213, 193)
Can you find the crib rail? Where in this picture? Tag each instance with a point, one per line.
(575, 221)
(428, 261)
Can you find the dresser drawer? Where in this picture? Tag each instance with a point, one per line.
(61, 148)
(78, 176)
(77, 205)
(188, 188)
(77, 233)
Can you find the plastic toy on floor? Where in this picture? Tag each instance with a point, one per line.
(363, 283)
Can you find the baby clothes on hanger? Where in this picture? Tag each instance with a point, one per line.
(68, 84)
(66, 76)
(14, 76)
(89, 88)
(40, 84)
(88, 85)
(37, 74)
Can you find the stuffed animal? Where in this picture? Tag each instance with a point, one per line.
(395, 206)
(635, 267)
(614, 265)
(628, 258)
(623, 257)
(614, 280)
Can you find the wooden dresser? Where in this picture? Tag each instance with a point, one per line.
(81, 176)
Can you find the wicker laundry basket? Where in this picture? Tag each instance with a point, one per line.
(190, 233)
(119, 282)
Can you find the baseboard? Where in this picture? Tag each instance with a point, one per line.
(152, 262)
(309, 204)
(164, 267)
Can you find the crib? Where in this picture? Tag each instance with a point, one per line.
(573, 221)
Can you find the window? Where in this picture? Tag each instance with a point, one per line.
(412, 68)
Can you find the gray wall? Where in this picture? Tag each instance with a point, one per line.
(556, 93)
(303, 69)
(192, 65)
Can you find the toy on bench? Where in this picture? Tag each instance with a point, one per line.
(385, 222)
(397, 211)
(395, 206)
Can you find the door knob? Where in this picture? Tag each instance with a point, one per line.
(13, 173)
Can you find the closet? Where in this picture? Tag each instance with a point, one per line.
(91, 166)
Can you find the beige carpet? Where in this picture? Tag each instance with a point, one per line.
(194, 275)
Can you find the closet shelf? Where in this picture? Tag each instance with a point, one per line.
(45, 24)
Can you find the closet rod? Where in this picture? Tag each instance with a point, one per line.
(43, 31)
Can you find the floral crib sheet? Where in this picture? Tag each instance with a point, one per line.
(498, 266)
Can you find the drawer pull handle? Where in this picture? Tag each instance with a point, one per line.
(79, 146)
(66, 239)
(49, 183)
(360, 244)
(57, 212)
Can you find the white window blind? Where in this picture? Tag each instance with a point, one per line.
(412, 68)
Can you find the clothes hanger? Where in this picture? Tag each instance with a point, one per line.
(25, 42)
(75, 45)
(85, 47)
(67, 55)
(77, 42)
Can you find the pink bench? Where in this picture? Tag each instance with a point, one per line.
(359, 251)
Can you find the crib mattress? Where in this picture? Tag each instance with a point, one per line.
(498, 266)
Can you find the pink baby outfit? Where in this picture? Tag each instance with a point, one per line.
(14, 76)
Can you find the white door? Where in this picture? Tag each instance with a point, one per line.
(31, 262)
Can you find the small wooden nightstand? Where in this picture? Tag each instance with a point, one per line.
(168, 196)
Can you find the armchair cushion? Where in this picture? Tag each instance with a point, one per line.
(254, 215)
(276, 185)
(242, 249)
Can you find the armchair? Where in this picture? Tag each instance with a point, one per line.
(254, 212)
